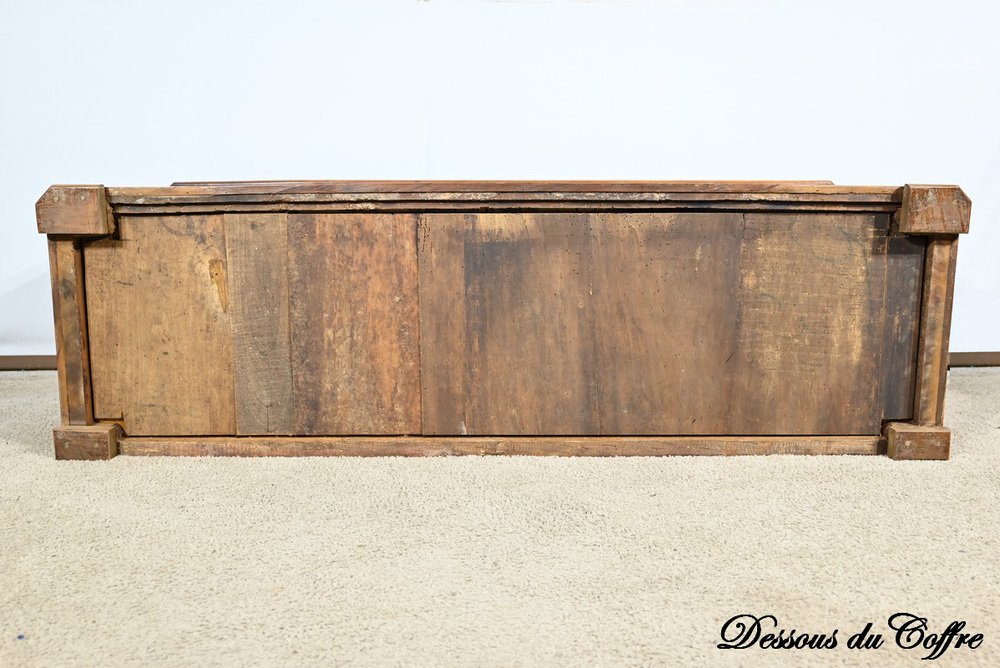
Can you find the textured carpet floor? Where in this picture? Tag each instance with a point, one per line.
(487, 561)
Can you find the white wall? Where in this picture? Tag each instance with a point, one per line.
(143, 93)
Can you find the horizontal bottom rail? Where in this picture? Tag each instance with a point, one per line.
(427, 446)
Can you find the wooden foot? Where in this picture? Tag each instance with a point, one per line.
(92, 441)
(910, 441)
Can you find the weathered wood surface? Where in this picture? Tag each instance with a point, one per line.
(264, 324)
(655, 324)
(355, 315)
(904, 287)
(935, 328)
(389, 187)
(256, 254)
(71, 332)
(87, 442)
(315, 185)
(320, 204)
(416, 196)
(161, 352)
(810, 324)
(354, 324)
(652, 323)
(74, 210)
(909, 441)
(417, 446)
(933, 210)
(568, 321)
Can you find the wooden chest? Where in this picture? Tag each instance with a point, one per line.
(570, 318)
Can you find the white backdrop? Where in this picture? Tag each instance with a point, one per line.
(145, 93)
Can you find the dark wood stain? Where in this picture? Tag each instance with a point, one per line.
(257, 256)
(353, 320)
(904, 276)
(645, 324)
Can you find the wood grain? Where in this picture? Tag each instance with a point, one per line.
(354, 186)
(332, 204)
(74, 210)
(651, 323)
(417, 446)
(354, 323)
(87, 442)
(162, 351)
(908, 441)
(931, 209)
(662, 299)
(257, 259)
(48, 362)
(904, 285)
(443, 375)
(71, 332)
(504, 317)
(418, 201)
(935, 328)
(417, 196)
(809, 324)
(318, 185)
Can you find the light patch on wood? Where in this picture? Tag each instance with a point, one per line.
(161, 353)
(811, 292)
(217, 272)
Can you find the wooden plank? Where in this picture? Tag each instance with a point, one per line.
(441, 250)
(663, 295)
(498, 186)
(223, 188)
(354, 323)
(87, 442)
(904, 284)
(257, 255)
(48, 362)
(933, 210)
(935, 328)
(72, 342)
(908, 441)
(652, 323)
(508, 350)
(810, 324)
(74, 210)
(445, 206)
(162, 351)
(194, 196)
(418, 446)
(527, 341)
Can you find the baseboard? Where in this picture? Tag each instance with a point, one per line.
(27, 362)
(974, 359)
(48, 362)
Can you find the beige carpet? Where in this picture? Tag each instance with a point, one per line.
(487, 561)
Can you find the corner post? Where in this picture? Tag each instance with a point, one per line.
(70, 216)
(940, 213)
